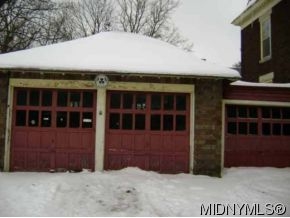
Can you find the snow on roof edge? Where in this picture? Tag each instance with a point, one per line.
(253, 84)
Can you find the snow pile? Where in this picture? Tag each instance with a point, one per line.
(114, 52)
(252, 84)
(132, 192)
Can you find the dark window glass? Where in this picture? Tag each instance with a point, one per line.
(155, 102)
(167, 122)
(87, 120)
(46, 98)
(21, 98)
(155, 122)
(34, 98)
(232, 127)
(181, 102)
(242, 111)
(62, 98)
(115, 100)
(141, 101)
(276, 128)
(276, 113)
(232, 111)
(127, 121)
(243, 128)
(33, 118)
(88, 99)
(114, 121)
(253, 129)
(127, 101)
(74, 119)
(266, 47)
(180, 123)
(286, 129)
(75, 99)
(266, 129)
(286, 113)
(140, 121)
(20, 118)
(61, 119)
(253, 112)
(168, 102)
(46, 118)
(266, 112)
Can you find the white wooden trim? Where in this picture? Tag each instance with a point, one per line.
(265, 17)
(8, 128)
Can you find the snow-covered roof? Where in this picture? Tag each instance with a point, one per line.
(252, 84)
(115, 52)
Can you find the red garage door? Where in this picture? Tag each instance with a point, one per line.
(257, 136)
(53, 130)
(147, 130)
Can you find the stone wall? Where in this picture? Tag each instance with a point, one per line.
(3, 106)
(208, 126)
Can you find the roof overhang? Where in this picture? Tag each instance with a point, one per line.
(253, 12)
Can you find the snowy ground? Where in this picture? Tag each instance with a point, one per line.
(132, 192)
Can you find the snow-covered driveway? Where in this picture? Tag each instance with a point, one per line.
(132, 192)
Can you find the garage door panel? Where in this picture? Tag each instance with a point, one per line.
(255, 136)
(53, 130)
(20, 139)
(151, 128)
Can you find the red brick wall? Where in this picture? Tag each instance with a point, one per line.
(280, 61)
(208, 125)
(3, 107)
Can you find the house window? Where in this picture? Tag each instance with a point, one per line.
(265, 23)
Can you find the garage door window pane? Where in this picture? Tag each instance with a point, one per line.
(276, 113)
(232, 127)
(168, 102)
(168, 122)
(20, 118)
(45, 118)
(74, 119)
(21, 98)
(140, 121)
(181, 102)
(127, 121)
(62, 98)
(114, 121)
(232, 111)
(253, 129)
(33, 118)
(253, 112)
(286, 113)
(127, 101)
(266, 129)
(46, 98)
(88, 99)
(276, 128)
(87, 120)
(180, 123)
(141, 102)
(243, 128)
(75, 99)
(115, 100)
(155, 102)
(266, 112)
(34, 98)
(61, 119)
(155, 122)
(286, 129)
(242, 111)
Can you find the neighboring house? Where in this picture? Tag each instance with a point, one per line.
(110, 101)
(265, 37)
(257, 111)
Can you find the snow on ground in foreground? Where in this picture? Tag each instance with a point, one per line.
(132, 192)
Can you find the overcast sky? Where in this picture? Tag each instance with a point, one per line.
(207, 24)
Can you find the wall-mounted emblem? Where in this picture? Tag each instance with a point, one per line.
(101, 80)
